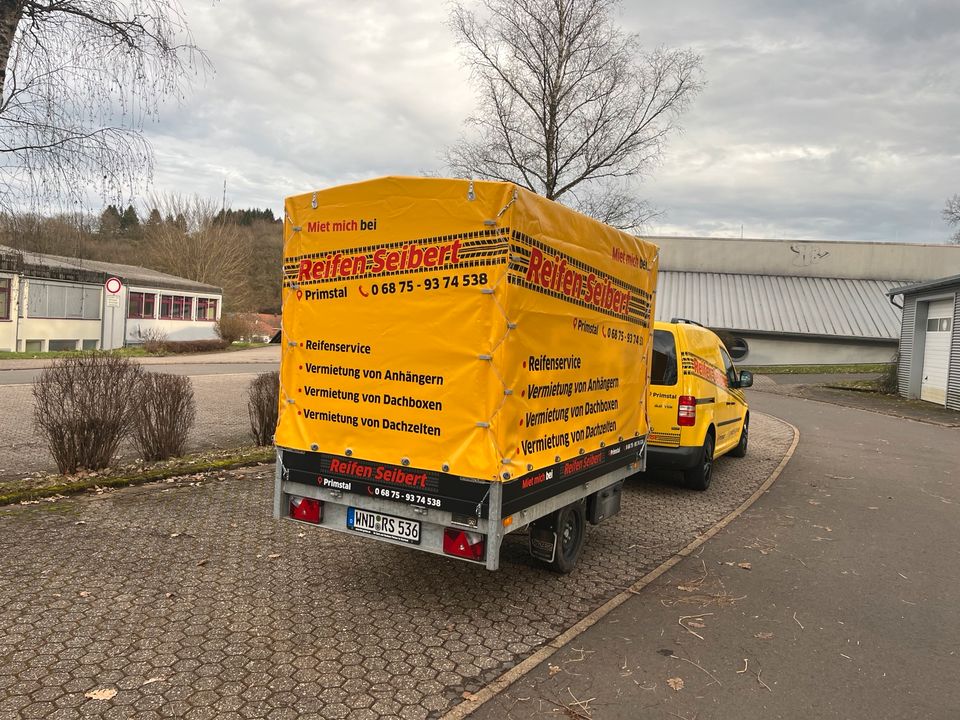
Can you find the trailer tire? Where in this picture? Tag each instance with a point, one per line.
(571, 528)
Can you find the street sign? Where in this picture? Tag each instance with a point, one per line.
(113, 285)
(113, 301)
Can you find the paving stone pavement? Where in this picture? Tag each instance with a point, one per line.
(222, 422)
(190, 601)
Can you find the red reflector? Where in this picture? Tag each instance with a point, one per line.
(463, 544)
(687, 411)
(306, 509)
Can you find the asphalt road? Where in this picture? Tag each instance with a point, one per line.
(28, 376)
(834, 596)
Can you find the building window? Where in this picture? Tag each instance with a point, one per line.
(4, 298)
(58, 300)
(939, 324)
(206, 309)
(176, 307)
(141, 305)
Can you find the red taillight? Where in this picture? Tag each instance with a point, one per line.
(687, 411)
(464, 544)
(306, 509)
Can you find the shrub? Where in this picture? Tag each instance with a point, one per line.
(182, 347)
(154, 340)
(262, 406)
(889, 382)
(165, 412)
(84, 409)
(234, 326)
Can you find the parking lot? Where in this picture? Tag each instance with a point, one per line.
(222, 422)
(186, 599)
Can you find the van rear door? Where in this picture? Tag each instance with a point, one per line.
(664, 390)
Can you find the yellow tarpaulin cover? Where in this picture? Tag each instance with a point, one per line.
(468, 327)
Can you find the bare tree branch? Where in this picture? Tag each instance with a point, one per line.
(951, 215)
(78, 78)
(570, 106)
(198, 242)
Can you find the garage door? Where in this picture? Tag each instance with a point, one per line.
(936, 352)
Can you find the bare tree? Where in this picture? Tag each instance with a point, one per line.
(951, 214)
(202, 245)
(77, 80)
(570, 106)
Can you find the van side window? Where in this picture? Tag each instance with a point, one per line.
(664, 368)
(729, 368)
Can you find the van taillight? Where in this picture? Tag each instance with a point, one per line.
(306, 509)
(687, 411)
(461, 543)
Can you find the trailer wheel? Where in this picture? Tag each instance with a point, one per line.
(571, 525)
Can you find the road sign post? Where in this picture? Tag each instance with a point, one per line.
(112, 287)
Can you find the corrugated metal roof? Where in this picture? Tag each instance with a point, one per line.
(947, 282)
(131, 274)
(780, 304)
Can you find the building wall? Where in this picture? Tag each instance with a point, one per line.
(853, 260)
(774, 350)
(8, 328)
(140, 329)
(41, 334)
(43, 330)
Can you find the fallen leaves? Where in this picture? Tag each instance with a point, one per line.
(101, 694)
(467, 695)
(554, 669)
(745, 566)
(764, 636)
(676, 683)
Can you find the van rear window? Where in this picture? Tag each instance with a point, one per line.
(664, 370)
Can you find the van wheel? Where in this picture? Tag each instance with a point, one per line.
(571, 524)
(741, 449)
(698, 477)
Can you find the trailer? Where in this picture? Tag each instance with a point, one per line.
(461, 360)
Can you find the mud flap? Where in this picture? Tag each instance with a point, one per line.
(543, 541)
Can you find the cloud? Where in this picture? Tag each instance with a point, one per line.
(825, 120)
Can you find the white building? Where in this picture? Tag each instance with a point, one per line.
(49, 302)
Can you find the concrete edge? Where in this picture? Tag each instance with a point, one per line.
(465, 708)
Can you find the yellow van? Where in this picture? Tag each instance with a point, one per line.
(696, 403)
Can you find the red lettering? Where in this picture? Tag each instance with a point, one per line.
(415, 258)
(533, 269)
(304, 273)
(546, 271)
(430, 256)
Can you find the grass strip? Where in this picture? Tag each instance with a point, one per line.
(126, 475)
(817, 369)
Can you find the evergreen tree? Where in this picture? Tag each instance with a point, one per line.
(129, 221)
(154, 218)
(110, 221)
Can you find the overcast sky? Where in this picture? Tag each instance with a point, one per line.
(821, 119)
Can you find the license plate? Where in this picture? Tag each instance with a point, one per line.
(387, 526)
